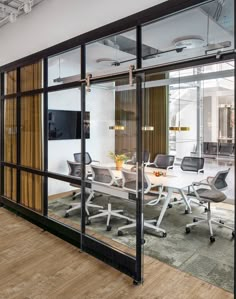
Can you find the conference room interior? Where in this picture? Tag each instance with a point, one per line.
(187, 110)
(200, 98)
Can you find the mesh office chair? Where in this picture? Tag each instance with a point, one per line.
(129, 184)
(105, 177)
(75, 170)
(163, 161)
(210, 192)
(194, 164)
(88, 159)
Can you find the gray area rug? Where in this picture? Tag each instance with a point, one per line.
(192, 253)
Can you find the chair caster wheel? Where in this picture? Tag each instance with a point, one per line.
(88, 222)
(169, 205)
(233, 234)
(108, 228)
(175, 199)
(128, 222)
(221, 222)
(164, 235)
(212, 239)
(187, 230)
(186, 212)
(70, 207)
(120, 233)
(206, 209)
(195, 220)
(66, 215)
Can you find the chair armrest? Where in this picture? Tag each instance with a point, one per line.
(201, 171)
(209, 179)
(169, 167)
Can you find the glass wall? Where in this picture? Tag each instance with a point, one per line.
(111, 136)
(196, 108)
(64, 68)
(200, 31)
(53, 133)
(112, 54)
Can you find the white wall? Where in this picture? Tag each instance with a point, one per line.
(101, 105)
(54, 21)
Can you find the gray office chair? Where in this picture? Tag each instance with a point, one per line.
(210, 192)
(129, 184)
(163, 161)
(88, 159)
(105, 177)
(194, 164)
(75, 170)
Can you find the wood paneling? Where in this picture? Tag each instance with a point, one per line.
(155, 113)
(36, 264)
(31, 137)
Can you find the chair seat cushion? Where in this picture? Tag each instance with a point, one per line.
(210, 195)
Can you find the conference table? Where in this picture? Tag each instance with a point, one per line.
(174, 180)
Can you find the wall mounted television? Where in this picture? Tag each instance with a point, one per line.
(65, 124)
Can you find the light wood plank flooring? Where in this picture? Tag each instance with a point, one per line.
(37, 265)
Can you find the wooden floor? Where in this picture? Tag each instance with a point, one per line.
(37, 265)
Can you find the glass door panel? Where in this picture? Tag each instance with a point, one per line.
(110, 128)
(190, 113)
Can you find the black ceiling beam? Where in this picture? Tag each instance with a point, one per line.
(140, 18)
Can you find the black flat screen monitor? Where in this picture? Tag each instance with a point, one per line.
(65, 124)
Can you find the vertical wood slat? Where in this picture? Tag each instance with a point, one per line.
(31, 137)
(155, 100)
(10, 136)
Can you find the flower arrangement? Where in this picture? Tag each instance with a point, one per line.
(118, 158)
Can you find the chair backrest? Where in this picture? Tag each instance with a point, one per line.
(192, 164)
(145, 157)
(78, 158)
(164, 161)
(102, 175)
(219, 181)
(130, 180)
(74, 168)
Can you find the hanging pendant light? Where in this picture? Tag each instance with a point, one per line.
(179, 128)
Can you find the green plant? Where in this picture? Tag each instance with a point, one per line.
(118, 158)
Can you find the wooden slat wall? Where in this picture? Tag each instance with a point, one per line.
(154, 141)
(10, 136)
(31, 137)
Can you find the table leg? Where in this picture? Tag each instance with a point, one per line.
(165, 206)
(185, 198)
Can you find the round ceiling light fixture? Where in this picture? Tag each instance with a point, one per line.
(107, 61)
(189, 42)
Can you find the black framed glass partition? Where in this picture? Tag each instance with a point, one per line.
(70, 112)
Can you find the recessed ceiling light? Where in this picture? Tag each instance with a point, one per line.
(189, 42)
(106, 61)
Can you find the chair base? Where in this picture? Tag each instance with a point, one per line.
(209, 220)
(146, 224)
(109, 213)
(76, 206)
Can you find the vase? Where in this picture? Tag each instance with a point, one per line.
(119, 165)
